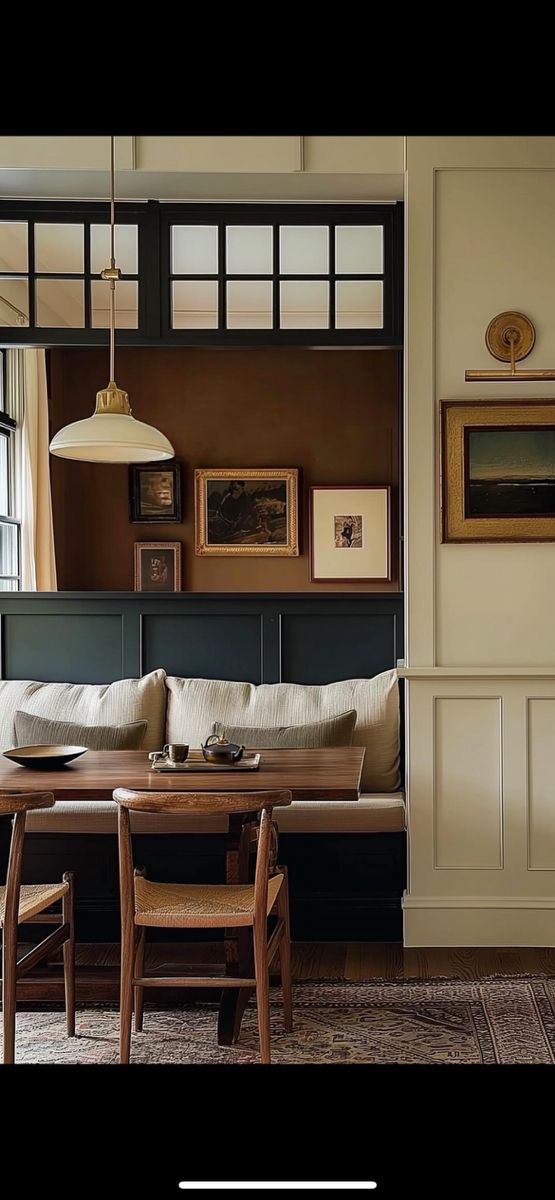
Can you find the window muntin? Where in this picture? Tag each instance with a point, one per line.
(50, 274)
(233, 261)
(326, 275)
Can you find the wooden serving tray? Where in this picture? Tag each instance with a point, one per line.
(247, 763)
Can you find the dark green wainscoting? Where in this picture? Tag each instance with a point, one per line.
(343, 886)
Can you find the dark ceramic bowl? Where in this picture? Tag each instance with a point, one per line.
(44, 758)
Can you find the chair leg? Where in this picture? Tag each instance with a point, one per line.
(285, 952)
(260, 939)
(126, 992)
(68, 917)
(9, 977)
(139, 971)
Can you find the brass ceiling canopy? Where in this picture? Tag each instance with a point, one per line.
(510, 337)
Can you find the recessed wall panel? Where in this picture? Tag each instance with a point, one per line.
(541, 784)
(468, 783)
(56, 647)
(319, 649)
(204, 646)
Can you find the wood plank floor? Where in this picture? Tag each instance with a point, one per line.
(97, 965)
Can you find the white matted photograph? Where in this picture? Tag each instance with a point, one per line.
(350, 533)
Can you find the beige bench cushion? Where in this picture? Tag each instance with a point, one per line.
(194, 705)
(370, 814)
(117, 703)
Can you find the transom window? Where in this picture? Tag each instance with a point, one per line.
(198, 274)
(50, 274)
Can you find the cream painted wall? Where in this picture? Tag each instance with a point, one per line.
(480, 222)
(495, 250)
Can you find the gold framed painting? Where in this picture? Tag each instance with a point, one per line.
(350, 534)
(498, 470)
(247, 510)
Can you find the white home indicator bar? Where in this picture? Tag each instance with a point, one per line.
(274, 1186)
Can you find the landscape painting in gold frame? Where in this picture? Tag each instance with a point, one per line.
(247, 510)
(498, 470)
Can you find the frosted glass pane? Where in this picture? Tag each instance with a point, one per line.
(195, 304)
(14, 302)
(60, 303)
(194, 249)
(304, 250)
(249, 304)
(13, 245)
(59, 248)
(9, 585)
(359, 304)
(127, 304)
(304, 304)
(249, 250)
(8, 549)
(359, 249)
(125, 238)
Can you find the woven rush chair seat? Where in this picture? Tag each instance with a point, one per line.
(201, 905)
(230, 906)
(33, 899)
(31, 902)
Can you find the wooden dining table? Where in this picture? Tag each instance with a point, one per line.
(332, 773)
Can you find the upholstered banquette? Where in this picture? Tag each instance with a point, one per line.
(346, 860)
(184, 710)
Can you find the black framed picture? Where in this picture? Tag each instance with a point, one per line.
(155, 493)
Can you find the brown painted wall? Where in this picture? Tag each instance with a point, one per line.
(332, 413)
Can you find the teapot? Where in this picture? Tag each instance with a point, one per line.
(217, 749)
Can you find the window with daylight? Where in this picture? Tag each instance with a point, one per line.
(10, 529)
(295, 271)
(202, 274)
(51, 258)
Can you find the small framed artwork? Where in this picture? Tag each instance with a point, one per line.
(498, 470)
(350, 534)
(155, 493)
(157, 566)
(247, 511)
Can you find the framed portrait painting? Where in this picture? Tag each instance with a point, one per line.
(498, 470)
(157, 566)
(247, 511)
(155, 493)
(350, 534)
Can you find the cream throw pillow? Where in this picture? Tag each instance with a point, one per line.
(116, 703)
(194, 705)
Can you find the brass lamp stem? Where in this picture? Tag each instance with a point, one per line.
(112, 399)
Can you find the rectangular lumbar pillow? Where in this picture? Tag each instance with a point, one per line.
(335, 731)
(31, 730)
(117, 703)
(194, 704)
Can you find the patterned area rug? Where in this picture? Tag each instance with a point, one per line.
(494, 1020)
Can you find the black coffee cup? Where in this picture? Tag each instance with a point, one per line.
(176, 753)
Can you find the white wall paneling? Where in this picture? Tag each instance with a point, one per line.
(481, 809)
(480, 644)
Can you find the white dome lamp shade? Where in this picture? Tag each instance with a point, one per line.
(111, 435)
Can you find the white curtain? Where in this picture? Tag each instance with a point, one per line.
(27, 402)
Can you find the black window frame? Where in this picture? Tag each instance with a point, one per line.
(155, 218)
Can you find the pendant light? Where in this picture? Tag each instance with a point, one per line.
(111, 435)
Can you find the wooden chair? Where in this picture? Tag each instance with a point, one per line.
(204, 906)
(21, 903)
